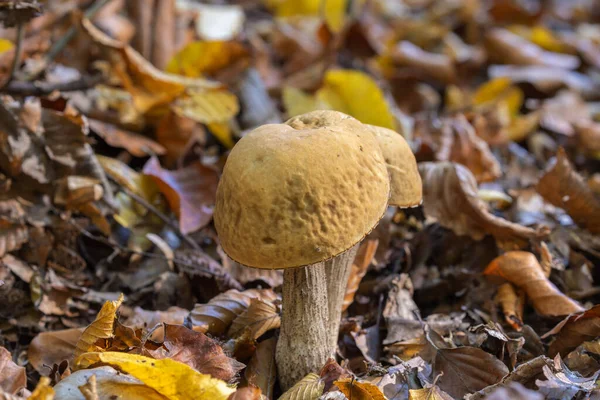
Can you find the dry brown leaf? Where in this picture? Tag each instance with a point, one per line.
(356, 390)
(49, 348)
(562, 186)
(260, 317)
(216, 316)
(331, 372)
(190, 192)
(12, 376)
(466, 369)
(136, 144)
(509, 48)
(140, 318)
(309, 388)
(450, 196)
(101, 328)
(364, 256)
(262, 371)
(431, 65)
(198, 351)
(512, 304)
(431, 393)
(246, 393)
(514, 391)
(574, 330)
(523, 270)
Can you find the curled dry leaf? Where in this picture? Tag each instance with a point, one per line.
(172, 379)
(364, 256)
(260, 317)
(198, 351)
(562, 383)
(216, 316)
(309, 388)
(514, 391)
(101, 328)
(512, 303)
(431, 393)
(440, 67)
(136, 144)
(49, 348)
(523, 270)
(562, 186)
(450, 196)
(331, 372)
(574, 330)
(190, 192)
(109, 384)
(359, 390)
(12, 376)
(262, 371)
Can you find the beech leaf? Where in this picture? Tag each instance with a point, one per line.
(260, 317)
(450, 196)
(432, 393)
(574, 330)
(12, 376)
(358, 390)
(308, 388)
(364, 256)
(101, 328)
(523, 270)
(49, 348)
(262, 371)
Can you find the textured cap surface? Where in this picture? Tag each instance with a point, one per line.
(298, 193)
(407, 189)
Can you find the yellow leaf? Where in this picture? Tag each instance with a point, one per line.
(42, 391)
(200, 58)
(206, 106)
(222, 132)
(309, 388)
(297, 102)
(101, 328)
(356, 93)
(5, 45)
(432, 393)
(172, 379)
(521, 126)
(500, 90)
(332, 11)
(455, 98)
(541, 36)
(356, 390)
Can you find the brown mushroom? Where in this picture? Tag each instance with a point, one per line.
(296, 197)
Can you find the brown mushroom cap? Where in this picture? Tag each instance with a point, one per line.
(407, 189)
(295, 194)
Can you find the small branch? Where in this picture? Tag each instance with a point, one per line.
(18, 49)
(162, 216)
(44, 88)
(63, 41)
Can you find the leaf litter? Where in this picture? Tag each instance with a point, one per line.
(115, 123)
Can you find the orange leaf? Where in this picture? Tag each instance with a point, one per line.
(356, 390)
(574, 330)
(190, 192)
(361, 263)
(522, 269)
(512, 305)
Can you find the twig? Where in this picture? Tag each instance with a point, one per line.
(44, 88)
(162, 216)
(63, 41)
(18, 49)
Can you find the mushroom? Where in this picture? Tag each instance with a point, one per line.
(297, 196)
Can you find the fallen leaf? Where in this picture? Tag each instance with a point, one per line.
(425, 64)
(574, 330)
(260, 317)
(432, 393)
(101, 328)
(515, 391)
(190, 192)
(309, 388)
(136, 144)
(207, 106)
(172, 379)
(561, 383)
(360, 265)
(333, 12)
(50, 348)
(198, 351)
(246, 393)
(464, 370)
(262, 371)
(201, 58)
(140, 318)
(562, 186)
(12, 376)
(512, 304)
(357, 390)
(401, 312)
(42, 391)
(216, 316)
(523, 270)
(450, 196)
(110, 384)
(331, 372)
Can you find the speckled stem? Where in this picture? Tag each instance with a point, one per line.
(338, 271)
(303, 344)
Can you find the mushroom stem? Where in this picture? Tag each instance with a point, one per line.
(338, 272)
(303, 344)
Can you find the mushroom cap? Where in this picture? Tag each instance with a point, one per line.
(407, 188)
(295, 194)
